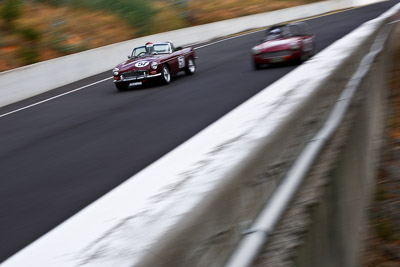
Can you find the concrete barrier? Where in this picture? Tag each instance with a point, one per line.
(326, 224)
(337, 234)
(189, 208)
(31, 80)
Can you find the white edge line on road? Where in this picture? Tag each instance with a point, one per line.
(54, 97)
(199, 47)
(83, 87)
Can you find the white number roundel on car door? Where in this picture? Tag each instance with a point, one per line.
(141, 64)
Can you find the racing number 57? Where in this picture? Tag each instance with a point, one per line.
(181, 62)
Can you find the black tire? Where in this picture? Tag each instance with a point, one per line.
(122, 86)
(303, 57)
(165, 75)
(313, 51)
(256, 66)
(191, 67)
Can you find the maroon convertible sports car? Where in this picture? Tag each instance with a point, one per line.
(154, 61)
(288, 42)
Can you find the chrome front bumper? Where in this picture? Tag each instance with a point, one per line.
(137, 78)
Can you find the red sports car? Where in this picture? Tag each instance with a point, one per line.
(288, 42)
(154, 61)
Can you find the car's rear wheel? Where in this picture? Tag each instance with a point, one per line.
(122, 86)
(165, 74)
(191, 67)
(303, 57)
(313, 51)
(256, 66)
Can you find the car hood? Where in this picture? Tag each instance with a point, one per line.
(278, 44)
(139, 63)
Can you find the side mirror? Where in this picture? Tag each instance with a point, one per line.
(129, 57)
(178, 48)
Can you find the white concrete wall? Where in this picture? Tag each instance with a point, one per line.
(21, 83)
(337, 234)
(364, 2)
(188, 208)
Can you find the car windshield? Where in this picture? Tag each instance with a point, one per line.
(272, 37)
(276, 32)
(139, 51)
(151, 50)
(160, 49)
(284, 31)
(299, 29)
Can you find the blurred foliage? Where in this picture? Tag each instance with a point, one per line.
(30, 34)
(386, 230)
(57, 39)
(182, 8)
(28, 51)
(28, 55)
(139, 13)
(9, 12)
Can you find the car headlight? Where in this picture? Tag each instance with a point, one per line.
(294, 46)
(154, 65)
(255, 50)
(115, 71)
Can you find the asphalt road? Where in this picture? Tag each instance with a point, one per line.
(59, 156)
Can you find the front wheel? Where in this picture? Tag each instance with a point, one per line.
(191, 67)
(303, 57)
(165, 75)
(256, 66)
(122, 86)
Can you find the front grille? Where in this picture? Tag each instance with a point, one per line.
(135, 74)
(276, 54)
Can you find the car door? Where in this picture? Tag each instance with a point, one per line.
(177, 62)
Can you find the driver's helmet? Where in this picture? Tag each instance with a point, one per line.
(149, 47)
(276, 31)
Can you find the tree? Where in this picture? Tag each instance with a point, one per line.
(10, 11)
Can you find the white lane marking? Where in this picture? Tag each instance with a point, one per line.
(83, 87)
(199, 47)
(54, 97)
